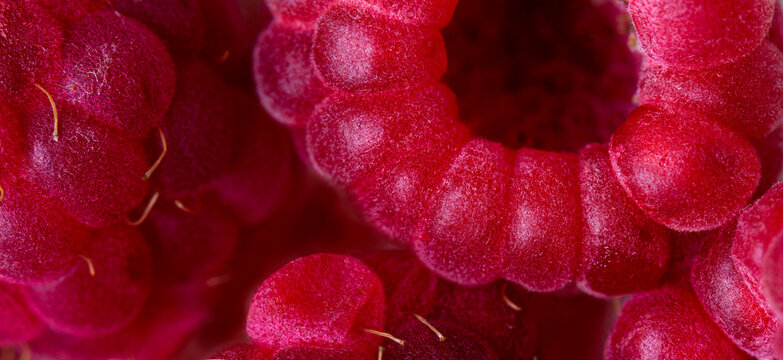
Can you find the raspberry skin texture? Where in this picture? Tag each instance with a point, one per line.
(201, 124)
(31, 40)
(737, 306)
(357, 49)
(693, 34)
(425, 13)
(745, 95)
(687, 172)
(286, 80)
(39, 242)
(288, 310)
(624, 250)
(543, 243)
(302, 13)
(189, 246)
(772, 280)
(420, 343)
(118, 71)
(759, 226)
(241, 351)
(20, 324)
(86, 305)
(776, 32)
(93, 172)
(406, 164)
(668, 324)
(462, 236)
(350, 136)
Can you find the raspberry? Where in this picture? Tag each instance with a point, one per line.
(462, 237)
(624, 251)
(687, 172)
(776, 32)
(746, 95)
(164, 325)
(285, 315)
(758, 227)
(94, 172)
(737, 306)
(543, 192)
(118, 71)
(188, 246)
(20, 323)
(241, 352)
(429, 13)
(301, 12)
(31, 41)
(771, 281)
(403, 166)
(68, 13)
(694, 34)
(357, 49)
(39, 242)
(286, 80)
(11, 139)
(200, 124)
(103, 295)
(457, 343)
(483, 312)
(668, 324)
(316, 353)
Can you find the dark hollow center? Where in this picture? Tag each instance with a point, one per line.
(552, 75)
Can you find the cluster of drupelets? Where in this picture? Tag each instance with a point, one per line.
(134, 158)
(143, 191)
(678, 207)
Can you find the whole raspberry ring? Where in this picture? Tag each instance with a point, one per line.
(357, 81)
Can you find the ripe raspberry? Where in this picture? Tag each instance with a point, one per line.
(20, 323)
(692, 34)
(687, 172)
(360, 50)
(624, 250)
(118, 71)
(286, 313)
(31, 41)
(101, 294)
(668, 324)
(737, 306)
(745, 95)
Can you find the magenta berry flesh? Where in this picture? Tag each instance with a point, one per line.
(118, 71)
(20, 323)
(102, 292)
(38, 242)
(686, 172)
(288, 309)
(200, 124)
(759, 225)
(360, 50)
(95, 172)
(543, 240)
(463, 236)
(668, 324)
(746, 95)
(624, 250)
(694, 34)
(31, 40)
(736, 305)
